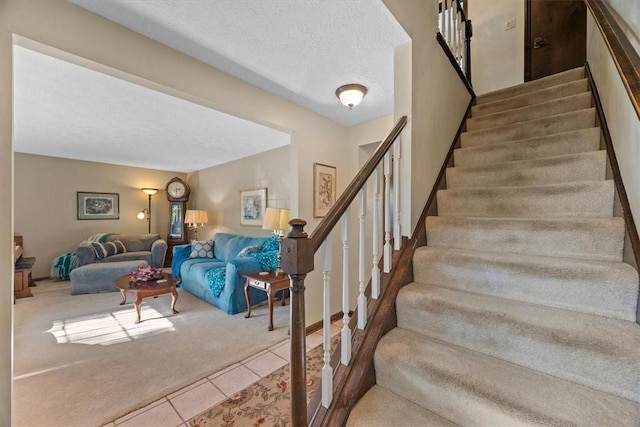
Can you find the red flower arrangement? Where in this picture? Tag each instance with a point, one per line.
(145, 274)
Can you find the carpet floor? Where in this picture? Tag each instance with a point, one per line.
(81, 361)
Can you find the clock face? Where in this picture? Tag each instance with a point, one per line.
(176, 189)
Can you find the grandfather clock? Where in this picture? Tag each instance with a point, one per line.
(178, 195)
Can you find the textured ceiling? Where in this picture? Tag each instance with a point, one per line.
(63, 110)
(301, 50)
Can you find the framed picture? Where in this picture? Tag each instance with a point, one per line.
(98, 205)
(324, 189)
(253, 204)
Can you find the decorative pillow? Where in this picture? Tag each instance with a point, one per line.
(249, 250)
(120, 247)
(202, 249)
(104, 250)
(271, 244)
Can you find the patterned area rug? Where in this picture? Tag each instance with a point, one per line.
(266, 402)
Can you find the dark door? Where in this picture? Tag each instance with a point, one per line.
(555, 36)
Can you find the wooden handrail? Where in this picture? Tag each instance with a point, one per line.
(624, 55)
(468, 27)
(454, 63)
(335, 213)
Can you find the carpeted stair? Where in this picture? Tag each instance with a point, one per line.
(522, 311)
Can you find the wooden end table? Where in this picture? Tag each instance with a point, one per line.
(269, 283)
(151, 288)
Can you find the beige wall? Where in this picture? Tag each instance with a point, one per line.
(438, 102)
(622, 120)
(45, 203)
(6, 218)
(627, 13)
(497, 56)
(218, 190)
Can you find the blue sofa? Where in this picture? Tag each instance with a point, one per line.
(233, 256)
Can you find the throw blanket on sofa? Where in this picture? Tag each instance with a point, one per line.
(62, 265)
(216, 278)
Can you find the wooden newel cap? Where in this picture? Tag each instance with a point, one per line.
(297, 229)
(297, 251)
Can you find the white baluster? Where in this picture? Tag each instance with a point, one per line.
(442, 15)
(459, 39)
(327, 370)
(375, 271)
(362, 300)
(447, 21)
(387, 213)
(396, 190)
(345, 346)
(454, 26)
(463, 61)
(437, 16)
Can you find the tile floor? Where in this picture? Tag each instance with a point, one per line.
(177, 408)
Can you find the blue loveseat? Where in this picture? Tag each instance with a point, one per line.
(219, 280)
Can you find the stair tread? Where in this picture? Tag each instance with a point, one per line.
(470, 388)
(531, 98)
(558, 123)
(596, 351)
(587, 166)
(380, 407)
(612, 286)
(577, 141)
(567, 76)
(585, 199)
(522, 114)
(583, 238)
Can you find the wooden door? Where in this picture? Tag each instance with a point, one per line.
(555, 37)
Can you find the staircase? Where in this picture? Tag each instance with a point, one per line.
(522, 311)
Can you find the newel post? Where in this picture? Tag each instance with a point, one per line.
(297, 261)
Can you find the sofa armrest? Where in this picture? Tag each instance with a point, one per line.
(241, 266)
(85, 253)
(158, 253)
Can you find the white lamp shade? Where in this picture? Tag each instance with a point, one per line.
(195, 217)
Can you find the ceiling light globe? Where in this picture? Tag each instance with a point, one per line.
(351, 95)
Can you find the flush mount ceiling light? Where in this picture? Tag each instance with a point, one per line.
(350, 95)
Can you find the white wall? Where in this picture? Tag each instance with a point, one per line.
(438, 101)
(497, 56)
(627, 13)
(622, 120)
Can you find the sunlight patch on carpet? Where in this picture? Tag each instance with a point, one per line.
(110, 328)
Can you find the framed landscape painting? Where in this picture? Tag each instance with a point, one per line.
(98, 205)
(253, 204)
(324, 189)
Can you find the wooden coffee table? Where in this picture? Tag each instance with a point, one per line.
(151, 288)
(269, 283)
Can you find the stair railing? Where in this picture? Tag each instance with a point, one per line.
(456, 30)
(382, 170)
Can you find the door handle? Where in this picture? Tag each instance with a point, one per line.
(539, 42)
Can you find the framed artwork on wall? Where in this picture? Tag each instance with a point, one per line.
(324, 189)
(253, 204)
(98, 205)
